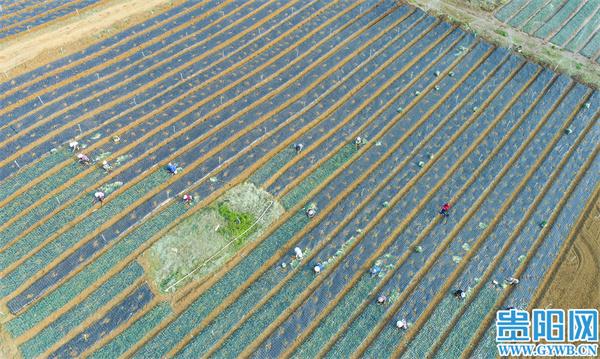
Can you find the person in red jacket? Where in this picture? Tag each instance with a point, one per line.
(445, 209)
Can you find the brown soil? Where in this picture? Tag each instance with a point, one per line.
(28, 50)
(471, 16)
(575, 280)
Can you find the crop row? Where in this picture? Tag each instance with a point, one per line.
(464, 241)
(238, 275)
(49, 89)
(41, 15)
(383, 231)
(444, 264)
(152, 141)
(541, 16)
(180, 183)
(24, 11)
(149, 162)
(60, 327)
(556, 21)
(88, 58)
(575, 23)
(120, 252)
(82, 281)
(23, 223)
(325, 258)
(142, 129)
(526, 13)
(437, 117)
(28, 263)
(110, 321)
(129, 120)
(593, 46)
(396, 72)
(134, 332)
(426, 212)
(510, 9)
(13, 7)
(542, 259)
(57, 120)
(240, 303)
(510, 259)
(121, 81)
(356, 125)
(375, 201)
(570, 24)
(585, 34)
(26, 175)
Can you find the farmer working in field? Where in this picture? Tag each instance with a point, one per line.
(172, 168)
(83, 159)
(445, 209)
(99, 196)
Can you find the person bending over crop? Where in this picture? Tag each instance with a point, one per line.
(172, 168)
(99, 196)
(445, 209)
(83, 159)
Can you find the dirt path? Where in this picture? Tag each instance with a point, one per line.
(576, 282)
(483, 23)
(62, 37)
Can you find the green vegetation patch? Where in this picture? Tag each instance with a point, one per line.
(318, 176)
(271, 167)
(207, 239)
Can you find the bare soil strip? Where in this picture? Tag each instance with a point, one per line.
(29, 50)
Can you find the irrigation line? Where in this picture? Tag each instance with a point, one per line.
(221, 249)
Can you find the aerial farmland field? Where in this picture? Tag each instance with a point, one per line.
(266, 178)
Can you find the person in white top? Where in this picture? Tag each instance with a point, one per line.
(99, 196)
(83, 159)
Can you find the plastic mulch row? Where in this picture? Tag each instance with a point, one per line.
(110, 321)
(54, 332)
(141, 210)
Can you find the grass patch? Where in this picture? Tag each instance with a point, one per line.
(501, 32)
(238, 225)
(205, 240)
